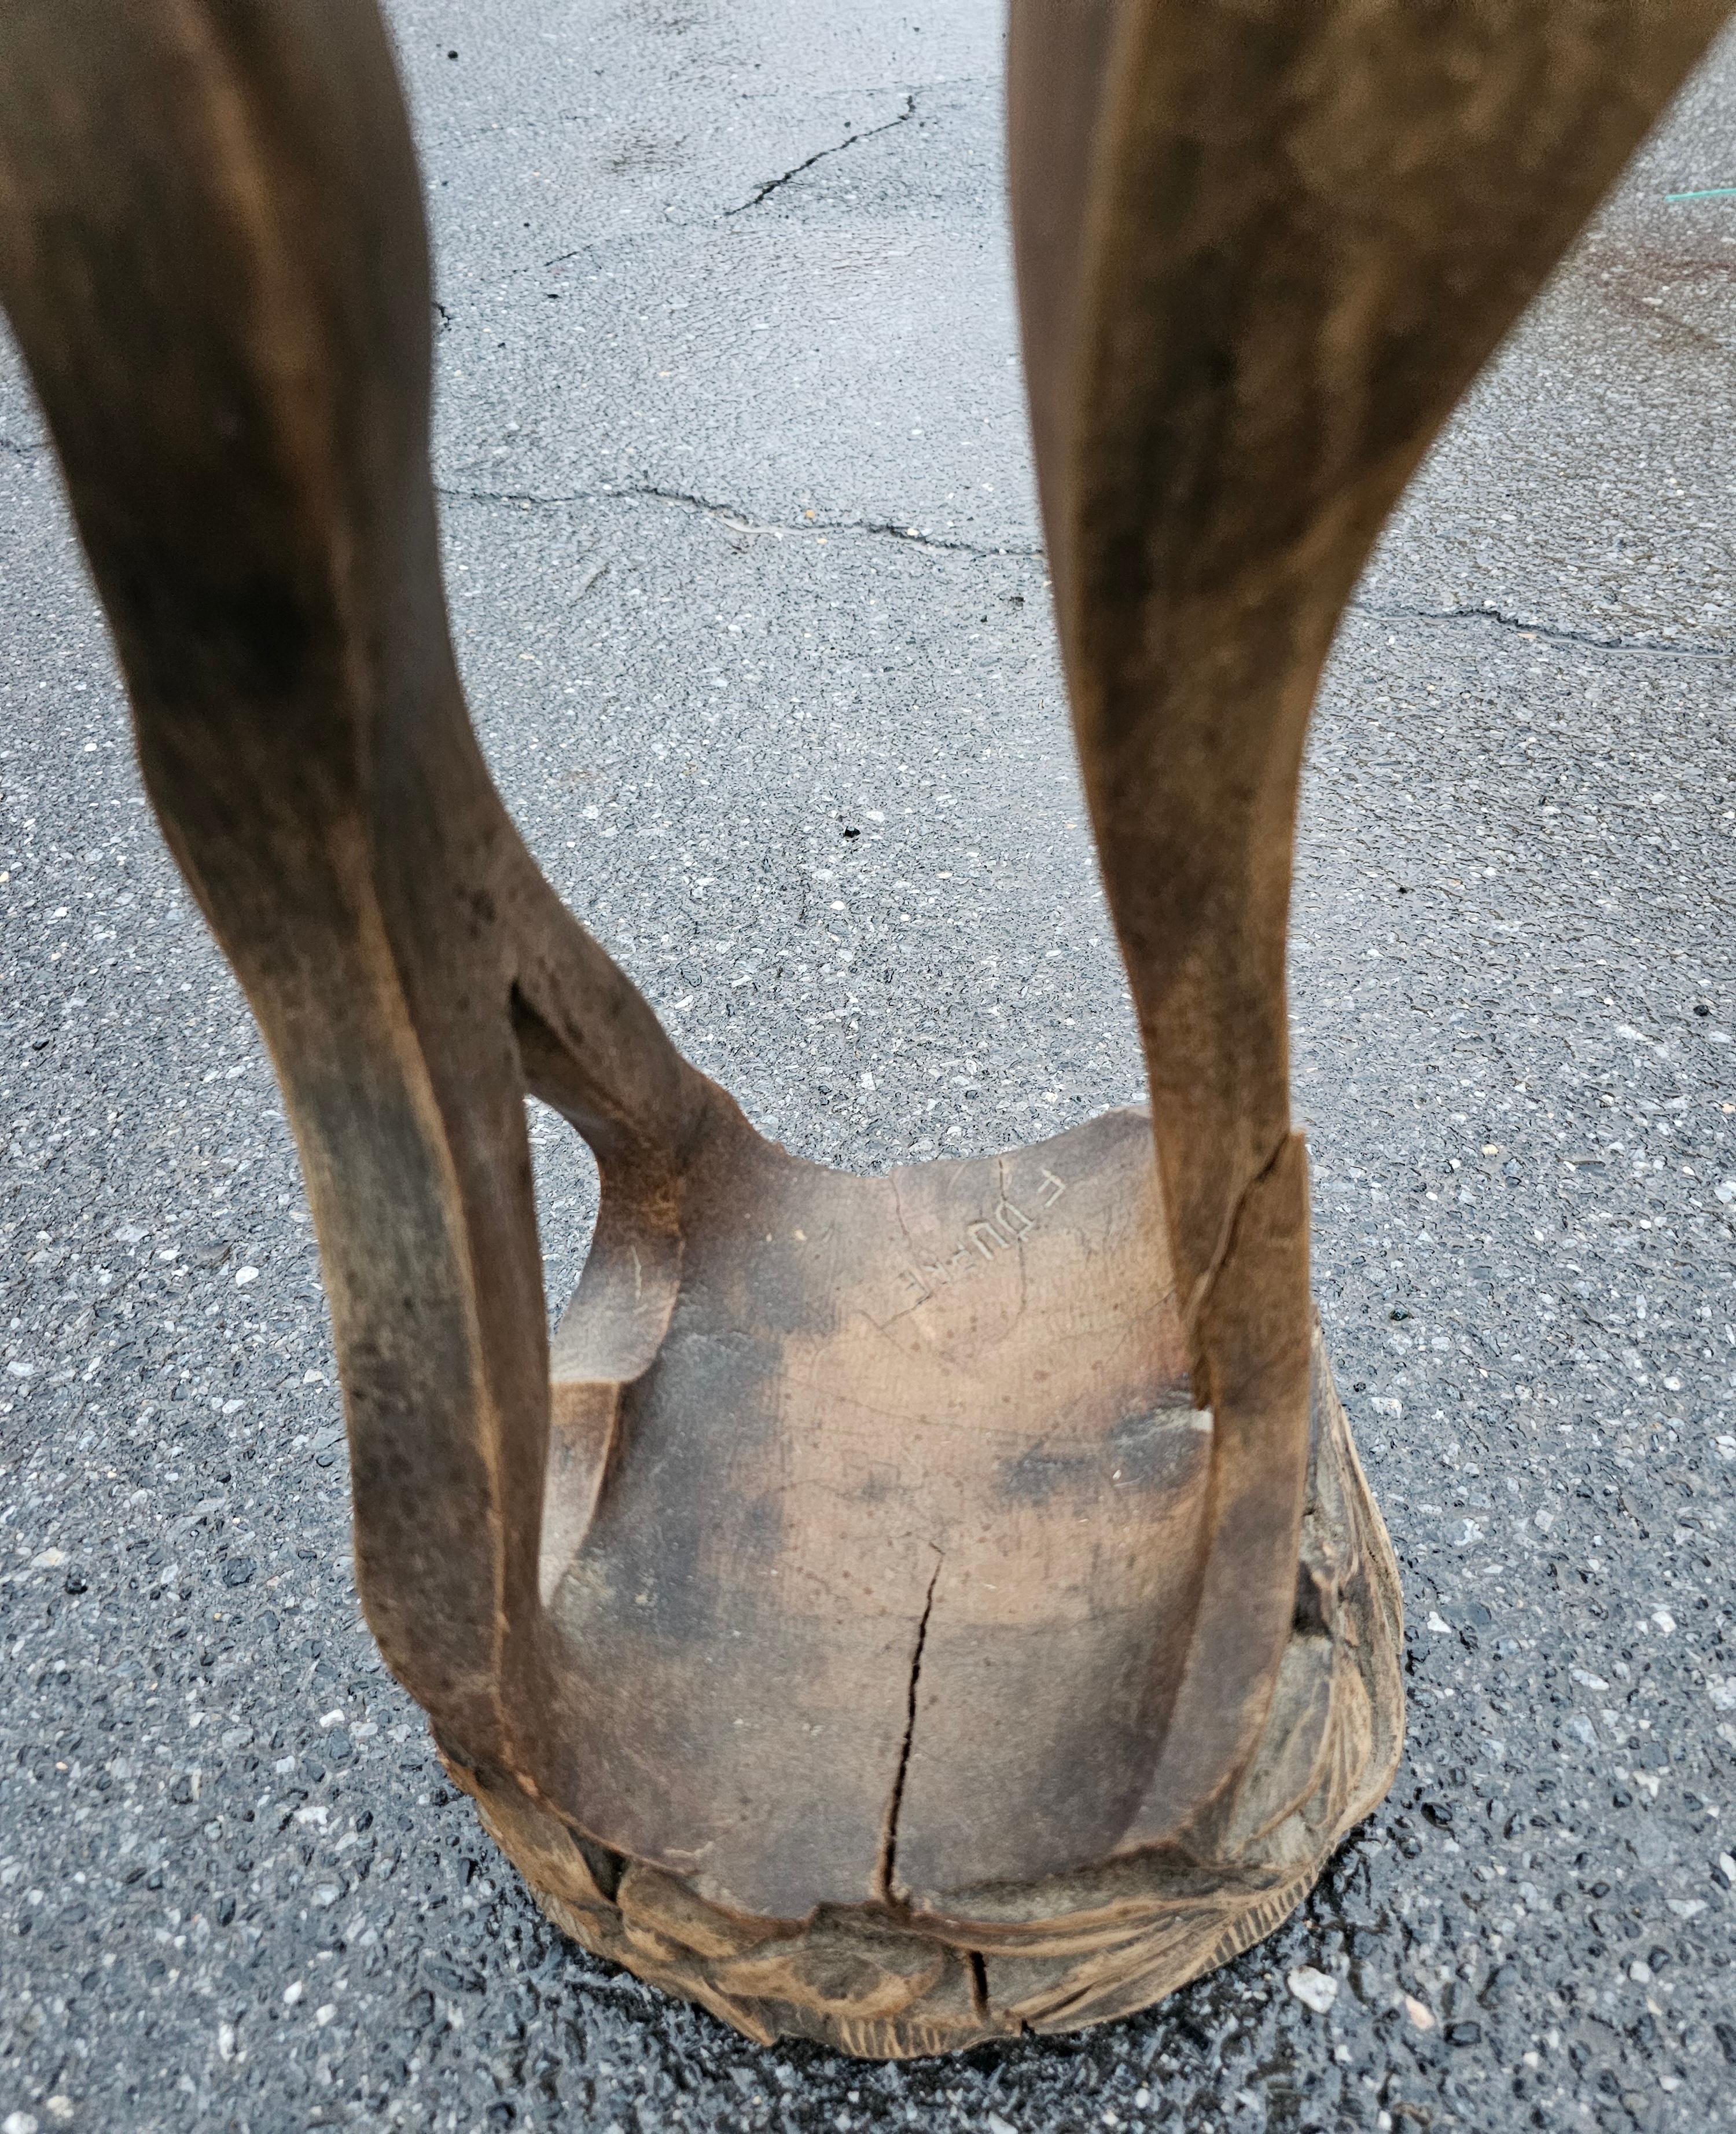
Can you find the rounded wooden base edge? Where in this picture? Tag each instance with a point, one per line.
(882, 1983)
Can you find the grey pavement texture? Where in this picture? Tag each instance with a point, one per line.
(749, 594)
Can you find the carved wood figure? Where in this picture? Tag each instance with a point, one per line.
(902, 1610)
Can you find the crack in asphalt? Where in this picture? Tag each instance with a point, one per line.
(737, 522)
(732, 516)
(1549, 634)
(820, 155)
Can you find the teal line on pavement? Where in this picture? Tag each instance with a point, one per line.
(1712, 192)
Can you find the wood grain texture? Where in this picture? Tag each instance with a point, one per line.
(895, 1610)
(1262, 249)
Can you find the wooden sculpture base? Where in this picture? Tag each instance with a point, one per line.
(883, 1981)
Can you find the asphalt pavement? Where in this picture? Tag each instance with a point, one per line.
(750, 598)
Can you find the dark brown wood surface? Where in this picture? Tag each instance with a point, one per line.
(897, 1610)
(1263, 249)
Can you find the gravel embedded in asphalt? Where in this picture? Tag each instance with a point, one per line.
(748, 591)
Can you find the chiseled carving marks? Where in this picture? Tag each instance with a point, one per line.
(1002, 1231)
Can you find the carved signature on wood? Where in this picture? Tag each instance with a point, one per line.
(1001, 1232)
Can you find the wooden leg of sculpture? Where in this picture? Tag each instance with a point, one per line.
(1262, 252)
(899, 1611)
(214, 258)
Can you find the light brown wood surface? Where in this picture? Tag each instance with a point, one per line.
(896, 1610)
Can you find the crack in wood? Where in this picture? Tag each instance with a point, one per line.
(889, 1836)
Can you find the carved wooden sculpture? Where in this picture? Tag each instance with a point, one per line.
(897, 1610)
